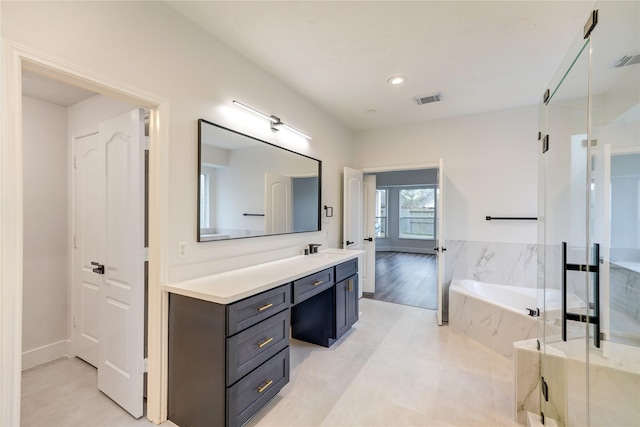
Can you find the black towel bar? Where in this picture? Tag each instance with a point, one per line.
(510, 218)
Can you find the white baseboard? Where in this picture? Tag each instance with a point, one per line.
(44, 354)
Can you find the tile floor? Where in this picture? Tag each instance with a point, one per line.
(396, 367)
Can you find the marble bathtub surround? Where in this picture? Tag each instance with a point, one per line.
(513, 264)
(625, 302)
(493, 326)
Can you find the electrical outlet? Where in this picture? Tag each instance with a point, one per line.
(182, 249)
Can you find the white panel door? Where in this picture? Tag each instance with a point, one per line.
(89, 237)
(352, 216)
(121, 345)
(369, 206)
(278, 203)
(440, 239)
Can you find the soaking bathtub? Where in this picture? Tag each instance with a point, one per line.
(494, 315)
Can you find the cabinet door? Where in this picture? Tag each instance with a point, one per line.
(351, 286)
(342, 320)
(346, 304)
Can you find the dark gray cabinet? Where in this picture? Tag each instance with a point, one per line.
(346, 297)
(346, 308)
(227, 361)
(312, 285)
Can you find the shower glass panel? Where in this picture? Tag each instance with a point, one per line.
(589, 228)
(614, 215)
(563, 228)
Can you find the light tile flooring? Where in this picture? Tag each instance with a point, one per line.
(396, 367)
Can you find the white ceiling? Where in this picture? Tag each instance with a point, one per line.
(481, 55)
(53, 91)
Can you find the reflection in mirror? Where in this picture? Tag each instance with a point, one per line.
(248, 187)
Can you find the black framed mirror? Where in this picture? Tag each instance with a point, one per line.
(249, 188)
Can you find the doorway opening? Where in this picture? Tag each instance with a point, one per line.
(403, 213)
(80, 211)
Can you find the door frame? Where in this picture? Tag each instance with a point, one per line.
(15, 59)
(399, 168)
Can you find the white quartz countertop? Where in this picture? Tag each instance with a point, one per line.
(234, 285)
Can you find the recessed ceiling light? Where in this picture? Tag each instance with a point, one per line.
(396, 80)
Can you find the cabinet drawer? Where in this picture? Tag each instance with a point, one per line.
(249, 311)
(251, 393)
(312, 285)
(346, 269)
(253, 346)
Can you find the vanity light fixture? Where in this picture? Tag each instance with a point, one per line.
(276, 123)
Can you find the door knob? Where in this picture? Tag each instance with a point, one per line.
(369, 239)
(99, 267)
(437, 249)
(350, 243)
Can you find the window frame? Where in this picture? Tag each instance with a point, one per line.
(433, 236)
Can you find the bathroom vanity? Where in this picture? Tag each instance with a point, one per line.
(229, 333)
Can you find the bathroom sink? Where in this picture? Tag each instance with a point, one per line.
(327, 256)
(330, 254)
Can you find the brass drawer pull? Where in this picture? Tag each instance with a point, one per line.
(350, 285)
(264, 307)
(265, 386)
(316, 283)
(265, 342)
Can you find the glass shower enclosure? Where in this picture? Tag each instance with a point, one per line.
(589, 226)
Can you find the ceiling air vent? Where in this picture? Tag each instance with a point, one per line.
(420, 100)
(628, 60)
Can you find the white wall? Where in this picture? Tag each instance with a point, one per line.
(85, 117)
(490, 169)
(490, 166)
(45, 331)
(47, 132)
(150, 47)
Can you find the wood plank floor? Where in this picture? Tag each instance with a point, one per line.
(406, 278)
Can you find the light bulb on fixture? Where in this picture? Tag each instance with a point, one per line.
(253, 110)
(276, 123)
(396, 80)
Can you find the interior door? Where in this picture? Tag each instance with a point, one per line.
(121, 304)
(352, 218)
(88, 242)
(278, 203)
(440, 238)
(369, 243)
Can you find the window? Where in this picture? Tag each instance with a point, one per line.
(417, 213)
(381, 213)
(204, 200)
